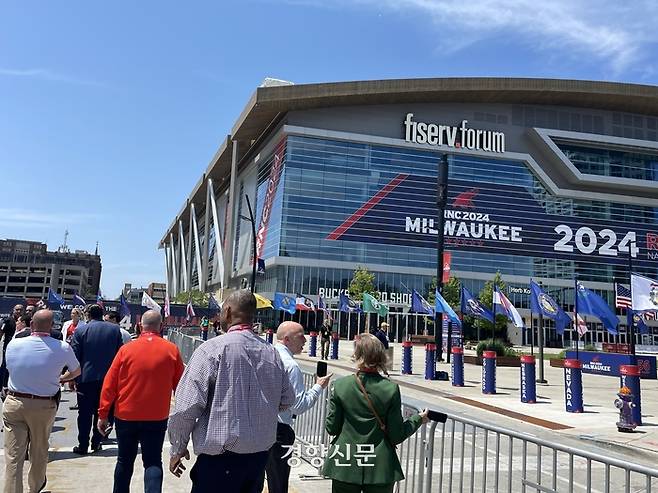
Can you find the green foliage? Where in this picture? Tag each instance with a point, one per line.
(493, 345)
(451, 292)
(363, 281)
(486, 298)
(591, 347)
(199, 298)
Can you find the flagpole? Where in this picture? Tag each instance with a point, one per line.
(575, 317)
(493, 325)
(540, 340)
(629, 311)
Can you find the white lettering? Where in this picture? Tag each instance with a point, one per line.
(432, 134)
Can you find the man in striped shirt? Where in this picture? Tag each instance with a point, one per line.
(228, 401)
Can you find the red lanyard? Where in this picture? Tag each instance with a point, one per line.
(240, 327)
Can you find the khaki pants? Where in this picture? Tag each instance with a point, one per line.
(27, 421)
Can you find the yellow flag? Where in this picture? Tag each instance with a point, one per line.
(262, 302)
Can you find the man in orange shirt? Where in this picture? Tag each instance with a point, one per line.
(139, 384)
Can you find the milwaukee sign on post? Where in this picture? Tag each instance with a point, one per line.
(272, 185)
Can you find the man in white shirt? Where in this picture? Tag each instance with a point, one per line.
(290, 340)
(35, 366)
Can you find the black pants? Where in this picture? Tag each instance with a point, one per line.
(89, 396)
(277, 468)
(4, 373)
(150, 437)
(325, 344)
(233, 473)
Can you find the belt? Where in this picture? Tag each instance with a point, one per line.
(31, 396)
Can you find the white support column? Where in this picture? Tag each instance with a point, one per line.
(189, 260)
(174, 266)
(167, 268)
(218, 268)
(183, 258)
(232, 201)
(197, 247)
(206, 237)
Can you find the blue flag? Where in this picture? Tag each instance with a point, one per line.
(348, 305)
(260, 267)
(285, 303)
(540, 302)
(471, 306)
(420, 304)
(53, 297)
(212, 303)
(77, 299)
(124, 309)
(322, 305)
(442, 306)
(639, 322)
(590, 303)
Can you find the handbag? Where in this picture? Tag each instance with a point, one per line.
(380, 422)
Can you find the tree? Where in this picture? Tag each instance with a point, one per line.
(451, 292)
(199, 298)
(486, 298)
(363, 281)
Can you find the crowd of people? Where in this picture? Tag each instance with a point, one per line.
(236, 400)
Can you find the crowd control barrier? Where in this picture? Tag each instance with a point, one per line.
(469, 455)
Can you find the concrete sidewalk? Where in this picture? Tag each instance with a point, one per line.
(597, 423)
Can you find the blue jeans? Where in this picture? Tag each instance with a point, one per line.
(150, 436)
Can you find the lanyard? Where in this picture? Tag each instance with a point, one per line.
(240, 327)
(41, 334)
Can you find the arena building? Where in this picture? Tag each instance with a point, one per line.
(549, 179)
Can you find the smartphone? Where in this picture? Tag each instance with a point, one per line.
(437, 416)
(322, 369)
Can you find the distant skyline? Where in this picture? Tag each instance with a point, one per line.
(111, 112)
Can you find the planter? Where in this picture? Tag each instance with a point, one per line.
(510, 361)
(557, 363)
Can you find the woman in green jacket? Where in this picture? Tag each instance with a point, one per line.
(365, 418)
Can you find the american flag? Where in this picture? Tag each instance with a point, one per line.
(581, 327)
(622, 296)
(650, 315)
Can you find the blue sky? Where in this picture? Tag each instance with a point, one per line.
(110, 111)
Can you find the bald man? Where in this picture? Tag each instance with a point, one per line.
(139, 384)
(290, 340)
(35, 366)
(228, 400)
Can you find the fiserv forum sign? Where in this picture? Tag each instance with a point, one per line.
(457, 137)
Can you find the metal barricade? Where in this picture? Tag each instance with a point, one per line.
(468, 455)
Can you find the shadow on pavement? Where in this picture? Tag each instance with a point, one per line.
(67, 454)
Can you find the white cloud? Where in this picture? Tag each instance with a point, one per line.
(48, 75)
(617, 34)
(37, 219)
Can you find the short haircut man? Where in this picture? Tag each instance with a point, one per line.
(7, 331)
(228, 378)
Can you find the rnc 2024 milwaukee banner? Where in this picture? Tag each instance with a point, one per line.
(502, 219)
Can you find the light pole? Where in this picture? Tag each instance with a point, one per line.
(441, 201)
(540, 340)
(252, 220)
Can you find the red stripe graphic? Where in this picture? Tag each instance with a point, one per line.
(376, 199)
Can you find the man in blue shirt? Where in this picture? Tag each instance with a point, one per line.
(95, 345)
(290, 340)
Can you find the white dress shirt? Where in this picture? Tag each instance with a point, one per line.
(304, 399)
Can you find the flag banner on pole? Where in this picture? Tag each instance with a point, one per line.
(420, 304)
(644, 293)
(650, 315)
(348, 305)
(167, 307)
(262, 302)
(189, 309)
(639, 323)
(77, 299)
(471, 306)
(447, 258)
(100, 301)
(213, 304)
(507, 308)
(322, 305)
(260, 267)
(442, 306)
(284, 303)
(590, 303)
(303, 303)
(622, 296)
(373, 305)
(149, 302)
(124, 308)
(581, 326)
(541, 303)
(53, 297)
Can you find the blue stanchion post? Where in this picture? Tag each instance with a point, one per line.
(489, 372)
(573, 385)
(335, 338)
(313, 345)
(269, 336)
(430, 363)
(630, 377)
(457, 366)
(528, 383)
(406, 357)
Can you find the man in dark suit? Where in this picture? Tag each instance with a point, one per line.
(7, 330)
(95, 345)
